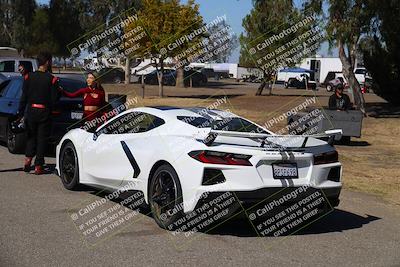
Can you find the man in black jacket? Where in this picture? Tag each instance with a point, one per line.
(339, 100)
(39, 96)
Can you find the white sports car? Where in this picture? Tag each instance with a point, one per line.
(175, 155)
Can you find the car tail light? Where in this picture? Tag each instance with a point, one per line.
(214, 157)
(325, 158)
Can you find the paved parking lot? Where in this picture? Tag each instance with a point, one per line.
(36, 230)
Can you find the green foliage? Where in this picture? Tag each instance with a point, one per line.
(64, 24)
(269, 18)
(164, 22)
(227, 39)
(381, 50)
(41, 38)
(15, 18)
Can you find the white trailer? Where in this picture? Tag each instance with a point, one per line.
(321, 67)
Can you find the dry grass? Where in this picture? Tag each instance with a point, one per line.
(371, 163)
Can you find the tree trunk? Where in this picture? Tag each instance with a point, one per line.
(180, 76)
(127, 70)
(269, 86)
(160, 75)
(348, 72)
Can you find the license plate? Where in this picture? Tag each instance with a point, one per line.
(285, 171)
(76, 115)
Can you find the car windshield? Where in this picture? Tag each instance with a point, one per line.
(232, 124)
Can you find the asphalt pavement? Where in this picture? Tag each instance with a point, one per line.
(37, 229)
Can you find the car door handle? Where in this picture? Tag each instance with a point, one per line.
(10, 103)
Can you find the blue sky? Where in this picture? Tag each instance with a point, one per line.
(235, 11)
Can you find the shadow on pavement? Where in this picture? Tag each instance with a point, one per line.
(355, 144)
(240, 226)
(383, 110)
(49, 169)
(336, 221)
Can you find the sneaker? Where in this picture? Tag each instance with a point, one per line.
(27, 165)
(39, 170)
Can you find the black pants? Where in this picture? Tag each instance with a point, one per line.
(38, 126)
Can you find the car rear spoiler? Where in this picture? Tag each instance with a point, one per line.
(331, 134)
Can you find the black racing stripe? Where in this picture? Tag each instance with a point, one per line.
(131, 159)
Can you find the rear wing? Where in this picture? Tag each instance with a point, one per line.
(331, 134)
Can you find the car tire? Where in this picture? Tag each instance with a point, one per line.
(69, 167)
(165, 197)
(286, 84)
(329, 88)
(16, 143)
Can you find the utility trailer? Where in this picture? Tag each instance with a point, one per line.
(319, 120)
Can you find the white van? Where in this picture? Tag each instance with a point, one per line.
(9, 65)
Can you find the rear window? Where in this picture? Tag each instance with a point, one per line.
(71, 85)
(199, 122)
(227, 124)
(7, 66)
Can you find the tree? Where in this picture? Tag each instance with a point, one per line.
(41, 38)
(267, 19)
(15, 18)
(64, 25)
(348, 20)
(164, 22)
(381, 50)
(228, 38)
(102, 14)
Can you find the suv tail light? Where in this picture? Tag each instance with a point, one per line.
(325, 158)
(214, 157)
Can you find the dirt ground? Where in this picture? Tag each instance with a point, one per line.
(370, 163)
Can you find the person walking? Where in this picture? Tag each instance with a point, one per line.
(39, 96)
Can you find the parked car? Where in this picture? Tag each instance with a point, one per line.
(300, 83)
(199, 78)
(362, 75)
(67, 114)
(112, 75)
(339, 81)
(2, 78)
(9, 65)
(152, 77)
(176, 155)
(170, 76)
